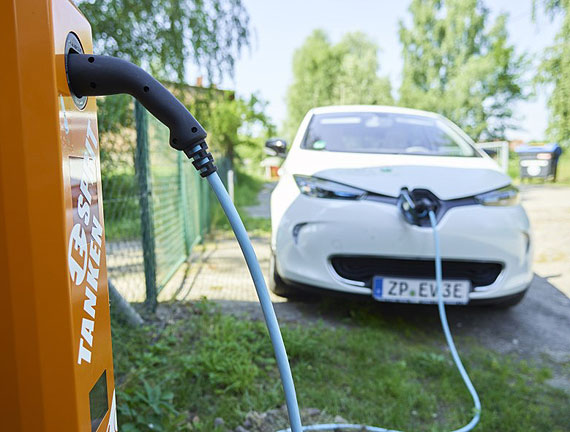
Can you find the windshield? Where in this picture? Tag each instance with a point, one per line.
(385, 133)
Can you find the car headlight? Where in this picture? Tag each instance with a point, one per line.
(319, 188)
(506, 196)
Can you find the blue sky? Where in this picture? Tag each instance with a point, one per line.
(280, 26)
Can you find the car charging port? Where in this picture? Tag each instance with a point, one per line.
(415, 206)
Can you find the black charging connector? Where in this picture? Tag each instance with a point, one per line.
(94, 75)
(415, 208)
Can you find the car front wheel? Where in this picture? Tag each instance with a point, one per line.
(277, 285)
(510, 301)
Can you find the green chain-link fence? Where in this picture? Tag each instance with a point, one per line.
(156, 211)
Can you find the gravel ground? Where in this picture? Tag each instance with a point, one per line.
(277, 419)
(548, 208)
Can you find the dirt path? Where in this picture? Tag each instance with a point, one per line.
(548, 209)
(220, 273)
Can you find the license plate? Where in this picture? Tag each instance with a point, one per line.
(403, 290)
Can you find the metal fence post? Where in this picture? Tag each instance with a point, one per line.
(142, 170)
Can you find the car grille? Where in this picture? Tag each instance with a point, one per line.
(364, 268)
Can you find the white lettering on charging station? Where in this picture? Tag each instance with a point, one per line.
(85, 249)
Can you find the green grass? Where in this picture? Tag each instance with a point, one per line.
(368, 369)
(122, 211)
(247, 188)
(121, 206)
(563, 175)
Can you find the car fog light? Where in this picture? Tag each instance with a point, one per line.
(297, 230)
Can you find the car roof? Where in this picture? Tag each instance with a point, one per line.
(371, 108)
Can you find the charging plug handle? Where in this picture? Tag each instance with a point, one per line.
(95, 75)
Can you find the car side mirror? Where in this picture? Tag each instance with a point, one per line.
(276, 147)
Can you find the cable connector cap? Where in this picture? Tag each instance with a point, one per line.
(203, 160)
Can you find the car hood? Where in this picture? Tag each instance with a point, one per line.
(446, 177)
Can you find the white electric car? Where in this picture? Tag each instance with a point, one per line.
(338, 223)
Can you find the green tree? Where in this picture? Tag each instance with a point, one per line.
(358, 81)
(162, 35)
(459, 66)
(327, 74)
(555, 70)
(238, 126)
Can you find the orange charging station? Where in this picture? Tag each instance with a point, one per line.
(56, 358)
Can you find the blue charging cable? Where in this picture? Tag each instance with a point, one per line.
(277, 340)
(443, 318)
(264, 299)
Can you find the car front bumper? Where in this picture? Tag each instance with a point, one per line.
(312, 231)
